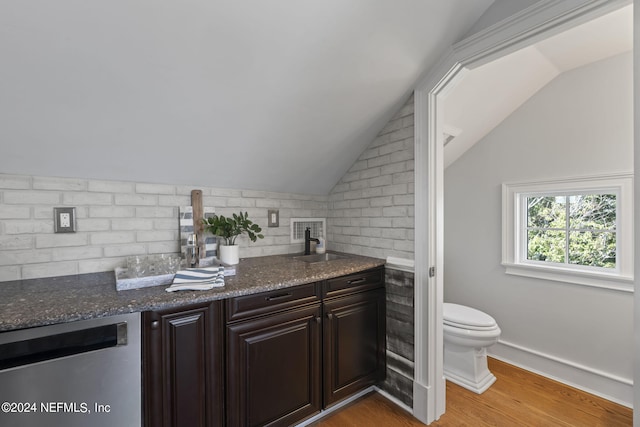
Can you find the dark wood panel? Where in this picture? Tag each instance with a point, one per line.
(247, 306)
(354, 344)
(399, 380)
(400, 312)
(357, 282)
(274, 368)
(400, 335)
(183, 366)
(185, 341)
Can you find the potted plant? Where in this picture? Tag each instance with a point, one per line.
(229, 228)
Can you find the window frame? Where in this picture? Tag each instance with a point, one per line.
(514, 228)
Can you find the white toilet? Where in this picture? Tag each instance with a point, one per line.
(467, 334)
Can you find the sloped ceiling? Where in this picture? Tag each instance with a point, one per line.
(490, 93)
(279, 95)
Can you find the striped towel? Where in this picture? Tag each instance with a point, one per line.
(197, 279)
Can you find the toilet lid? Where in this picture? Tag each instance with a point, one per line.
(462, 316)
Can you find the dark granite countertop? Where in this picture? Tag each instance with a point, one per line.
(39, 302)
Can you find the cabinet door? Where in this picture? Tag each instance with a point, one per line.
(354, 344)
(274, 368)
(183, 355)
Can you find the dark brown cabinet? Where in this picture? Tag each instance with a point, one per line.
(293, 352)
(354, 344)
(267, 359)
(183, 366)
(274, 368)
(274, 375)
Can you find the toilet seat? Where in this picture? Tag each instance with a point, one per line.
(463, 317)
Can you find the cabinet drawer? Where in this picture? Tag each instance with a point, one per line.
(357, 282)
(267, 302)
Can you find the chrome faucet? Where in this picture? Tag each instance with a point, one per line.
(307, 241)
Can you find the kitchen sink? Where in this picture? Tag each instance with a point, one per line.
(313, 258)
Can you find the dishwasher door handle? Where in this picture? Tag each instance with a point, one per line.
(121, 333)
(55, 346)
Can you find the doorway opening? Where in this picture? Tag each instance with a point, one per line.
(432, 131)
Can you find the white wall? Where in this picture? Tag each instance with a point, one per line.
(276, 95)
(636, 99)
(581, 123)
(499, 10)
(370, 212)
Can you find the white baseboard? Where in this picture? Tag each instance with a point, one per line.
(421, 405)
(428, 405)
(594, 381)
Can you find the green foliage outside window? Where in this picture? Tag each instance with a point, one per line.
(575, 229)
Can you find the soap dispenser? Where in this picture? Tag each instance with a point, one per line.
(320, 246)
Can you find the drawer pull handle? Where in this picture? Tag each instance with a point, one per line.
(278, 297)
(356, 281)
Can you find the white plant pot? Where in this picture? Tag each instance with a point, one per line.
(229, 254)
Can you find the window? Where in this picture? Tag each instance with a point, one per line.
(577, 230)
(572, 229)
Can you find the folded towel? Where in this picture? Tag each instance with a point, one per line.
(197, 279)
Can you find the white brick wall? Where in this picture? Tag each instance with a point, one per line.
(369, 212)
(119, 219)
(371, 209)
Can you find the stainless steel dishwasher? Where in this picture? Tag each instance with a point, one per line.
(83, 373)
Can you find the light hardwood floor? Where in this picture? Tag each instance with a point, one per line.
(517, 398)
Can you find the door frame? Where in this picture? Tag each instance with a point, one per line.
(537, 22)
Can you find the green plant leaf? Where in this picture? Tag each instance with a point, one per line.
(229, 228)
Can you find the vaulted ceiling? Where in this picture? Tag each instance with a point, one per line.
(490, 93)
(279, 95)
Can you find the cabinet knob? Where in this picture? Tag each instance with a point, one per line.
(318, 319)
(155, 324)
(329, 316)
